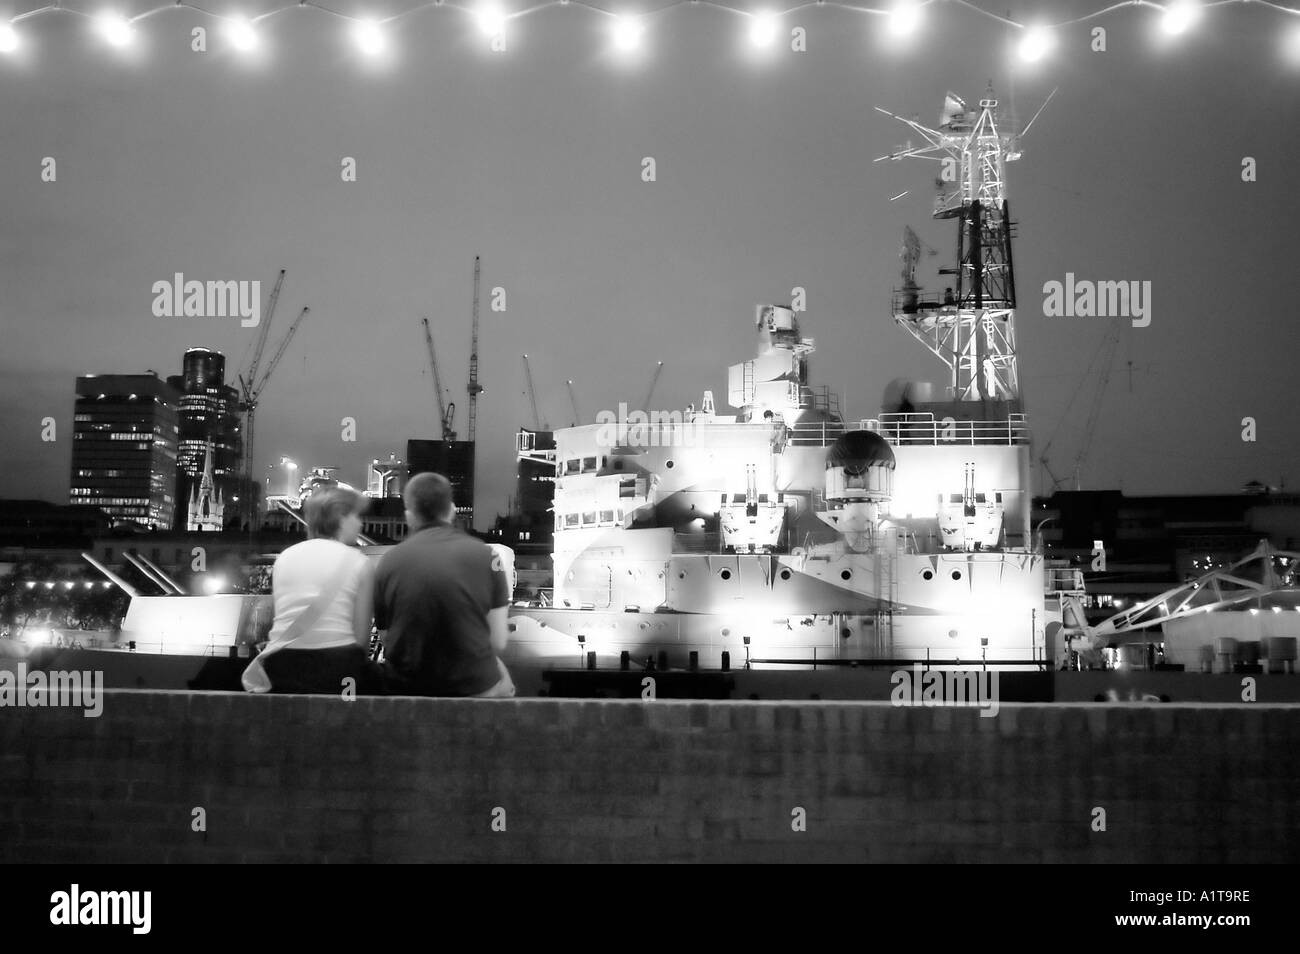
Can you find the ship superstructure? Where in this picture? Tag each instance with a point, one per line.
(784, 531)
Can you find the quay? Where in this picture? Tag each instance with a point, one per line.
(178, 776)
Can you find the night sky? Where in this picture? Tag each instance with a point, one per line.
(227, 166)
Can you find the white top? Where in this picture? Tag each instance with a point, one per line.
(299, 574)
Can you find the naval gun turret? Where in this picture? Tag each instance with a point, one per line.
(859, 485)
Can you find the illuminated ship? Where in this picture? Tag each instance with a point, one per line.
(786, 533)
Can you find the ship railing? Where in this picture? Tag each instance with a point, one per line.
(180, 646)
(928, 662)
(917, 428)
(925, 428)
(817, 434)
(915, 303)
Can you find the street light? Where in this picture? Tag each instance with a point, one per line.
(289, 468)
(1039, 531)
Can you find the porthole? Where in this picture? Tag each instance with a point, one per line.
(927, 575)
(681, 575)
(956, 574)
(846, 574)
(724, 573)
(785, 574)
(668, 464)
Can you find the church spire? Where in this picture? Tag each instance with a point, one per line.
(207, 509)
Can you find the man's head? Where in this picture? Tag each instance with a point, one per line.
(428, 500)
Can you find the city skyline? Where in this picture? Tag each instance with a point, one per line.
(204, 427)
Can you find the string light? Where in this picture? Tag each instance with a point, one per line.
(627, 33)
(762, 31)
(1036, 44)
(369, 37)
(115, 29)
(902, 17)
(490, 18)
(240, 33)
(1291, 53)
(1179, 17)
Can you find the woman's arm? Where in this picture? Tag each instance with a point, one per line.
(363, 608)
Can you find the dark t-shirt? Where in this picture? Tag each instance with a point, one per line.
(433, 592)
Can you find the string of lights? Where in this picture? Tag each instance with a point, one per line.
(901, 18)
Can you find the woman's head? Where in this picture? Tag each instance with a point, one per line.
(334, 513)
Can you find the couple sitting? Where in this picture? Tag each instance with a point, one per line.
(439, 600)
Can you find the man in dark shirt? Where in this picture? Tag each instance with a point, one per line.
(441, 599)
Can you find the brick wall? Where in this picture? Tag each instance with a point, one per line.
(298, 778)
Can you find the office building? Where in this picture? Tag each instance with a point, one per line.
(124, 446)
(209, 421)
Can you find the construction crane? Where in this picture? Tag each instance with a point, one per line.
(1103, 359)
(532, 395)
(253, 395)
(1109, 346)
(573, 400)
(474, 388)
(248, 394)
(645, 405)
(280, 349)
(446, 412)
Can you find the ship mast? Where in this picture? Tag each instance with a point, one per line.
(474, 388)
(973, 332)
